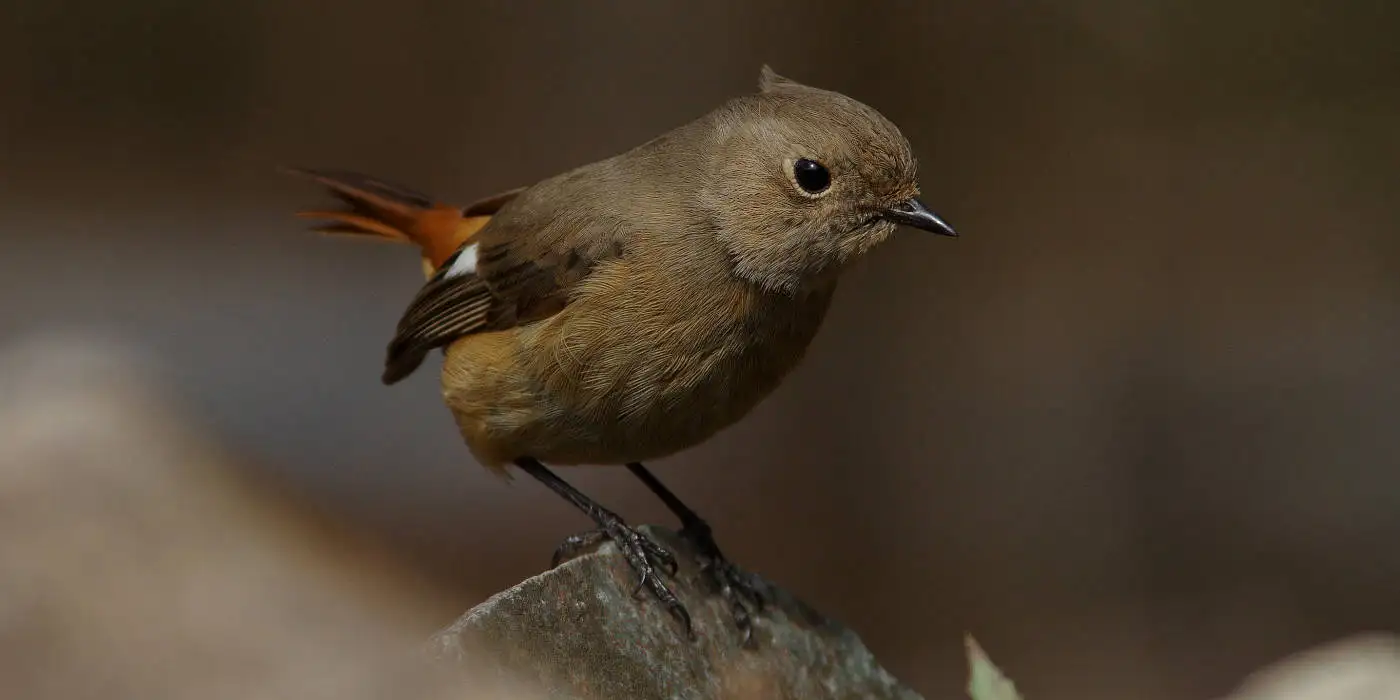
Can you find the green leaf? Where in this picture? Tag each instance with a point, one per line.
(985, 681)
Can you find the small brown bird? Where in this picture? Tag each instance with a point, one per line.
(633, 307)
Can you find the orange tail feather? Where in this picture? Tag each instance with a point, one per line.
(382, 210)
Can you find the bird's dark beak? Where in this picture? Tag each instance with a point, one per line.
(914, 213)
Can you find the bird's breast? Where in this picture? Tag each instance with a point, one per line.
(647, 370)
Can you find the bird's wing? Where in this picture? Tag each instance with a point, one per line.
(521, 269)
(380, 209)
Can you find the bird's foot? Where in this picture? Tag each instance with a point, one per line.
(575, 546)
(739, 589)
(646, 557)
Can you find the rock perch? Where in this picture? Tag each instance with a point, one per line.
(576, 631)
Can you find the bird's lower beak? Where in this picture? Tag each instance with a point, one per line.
(914, 213)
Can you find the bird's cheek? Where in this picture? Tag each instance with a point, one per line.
(860, 241)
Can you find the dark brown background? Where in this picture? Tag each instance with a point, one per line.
(1135, 429)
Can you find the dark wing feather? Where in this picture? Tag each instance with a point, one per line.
(529, 260)
(445, 309)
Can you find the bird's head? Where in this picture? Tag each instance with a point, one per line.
(804, 180)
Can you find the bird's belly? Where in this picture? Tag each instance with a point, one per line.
(654, 399)
(573, 392)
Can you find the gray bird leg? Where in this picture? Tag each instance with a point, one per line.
(642, 554)
(733, 584)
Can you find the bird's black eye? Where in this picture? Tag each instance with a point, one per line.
(811, 176)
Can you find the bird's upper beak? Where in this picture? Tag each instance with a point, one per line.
(912, 212)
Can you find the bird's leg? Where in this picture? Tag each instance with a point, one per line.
(736, 586)
(642, 554)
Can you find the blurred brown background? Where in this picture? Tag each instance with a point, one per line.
(1133, 429)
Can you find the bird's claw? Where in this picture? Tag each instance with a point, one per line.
(744, 596)
(645, 557)
(575, 546)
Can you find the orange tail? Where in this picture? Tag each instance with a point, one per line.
(379, 209)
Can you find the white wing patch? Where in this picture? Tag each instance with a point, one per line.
(464, 263)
